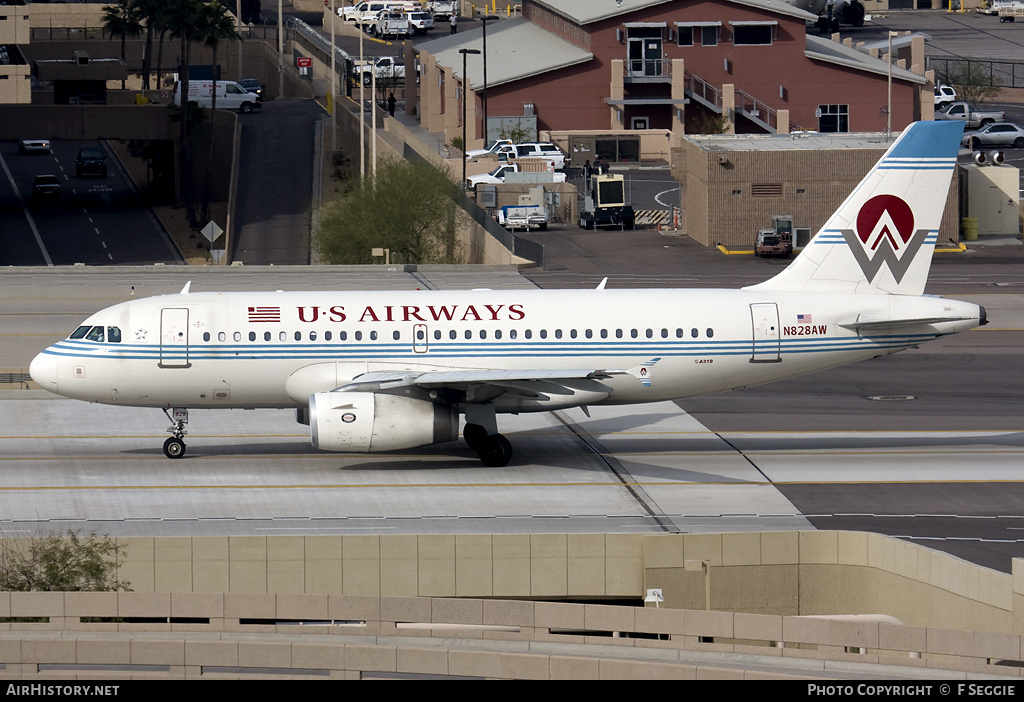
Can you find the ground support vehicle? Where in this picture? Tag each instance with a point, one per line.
(523, 217)
(605, 203)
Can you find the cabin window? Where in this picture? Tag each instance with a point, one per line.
(358, 336)
(679, 333)
(558, 333)
(237, 336)
(453, 334)
(632, 333)
(483, 334)
(342, 336)
(572, 333)
(543, 333)
(252, 336)
(206, 336)
(298, 336)
(589, 333)
(282, 336)
(497, 333)
(694, 333)
(604, 333)
(327, 336)
(221, 336)
(397, 335)
(267, 336)
(513, 334)
(114, 335)
(437, 334)
(528, 333)
(618, 333)
(79, 333)
(664, 333)
(312, 336)
(95, 334)
(469, 334)
(373, 336)
(710, 333)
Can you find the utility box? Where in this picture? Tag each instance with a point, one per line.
(991, 194)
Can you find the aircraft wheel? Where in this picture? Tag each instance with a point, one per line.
(174, 448)
(495, 451)
(474, 435)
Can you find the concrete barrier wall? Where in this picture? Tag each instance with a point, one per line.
(775, 573)
(186, 635)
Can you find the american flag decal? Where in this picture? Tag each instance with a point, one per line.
(264, 314)
(803, 319)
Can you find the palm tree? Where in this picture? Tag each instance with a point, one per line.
(216, 25)
(151, 12)
(123, 20)
(183, 19)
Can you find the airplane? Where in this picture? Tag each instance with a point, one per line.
(392, 370)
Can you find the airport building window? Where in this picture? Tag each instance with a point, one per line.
(833, 118)
(752, 33)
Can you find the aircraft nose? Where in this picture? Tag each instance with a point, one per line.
(43, 370)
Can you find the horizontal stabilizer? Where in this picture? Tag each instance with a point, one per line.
(872, 325)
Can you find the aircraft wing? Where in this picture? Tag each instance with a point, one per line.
(484, 385)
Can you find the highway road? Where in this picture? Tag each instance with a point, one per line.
(95, 221)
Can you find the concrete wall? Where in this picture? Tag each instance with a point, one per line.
(368, 604)
(777, 573)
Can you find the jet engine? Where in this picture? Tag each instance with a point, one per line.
(368, 422)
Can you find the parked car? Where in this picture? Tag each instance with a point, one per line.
(91, 161)
(499, 173)
(46, 187)
(34, 146)
(996, 134)
(252, 85)
(421, 22)
(944, 94)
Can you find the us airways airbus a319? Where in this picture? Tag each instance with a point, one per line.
(382, 371)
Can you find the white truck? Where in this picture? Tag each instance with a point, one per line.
(499, 173)
(385, 67)
(444, 9)
(523, 217)
(361, 13)
(390, 23)
(230, 95)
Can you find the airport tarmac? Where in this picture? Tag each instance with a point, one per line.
(849, 447)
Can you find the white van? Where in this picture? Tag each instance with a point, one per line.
(230, 95)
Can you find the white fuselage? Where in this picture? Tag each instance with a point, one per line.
(274, 349)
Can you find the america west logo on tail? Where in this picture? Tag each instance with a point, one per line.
(885, 234)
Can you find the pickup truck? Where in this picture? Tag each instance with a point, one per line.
(443, 9)
(499, 173)
(972, 117)
(523, 217)
(390, 23)
(385, 67)
(361, 13)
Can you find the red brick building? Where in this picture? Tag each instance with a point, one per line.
(669, 65)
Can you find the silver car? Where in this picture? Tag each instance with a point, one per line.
(996, 134)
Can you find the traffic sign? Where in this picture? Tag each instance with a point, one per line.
(304, 62)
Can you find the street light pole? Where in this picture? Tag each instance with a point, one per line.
(465, 95)
(485, 19)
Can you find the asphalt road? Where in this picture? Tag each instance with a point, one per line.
(95, 221)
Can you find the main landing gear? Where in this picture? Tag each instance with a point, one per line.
(174, 447)
(494, 450)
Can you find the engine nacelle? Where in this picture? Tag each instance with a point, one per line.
(367, 422)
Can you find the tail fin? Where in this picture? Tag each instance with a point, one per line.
(882, 237)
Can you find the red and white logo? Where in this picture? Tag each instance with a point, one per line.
(885, 234)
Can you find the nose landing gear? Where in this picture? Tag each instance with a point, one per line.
(174, 447)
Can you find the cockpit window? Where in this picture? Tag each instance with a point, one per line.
(114, 335)
(79, 333)
(95, 334)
